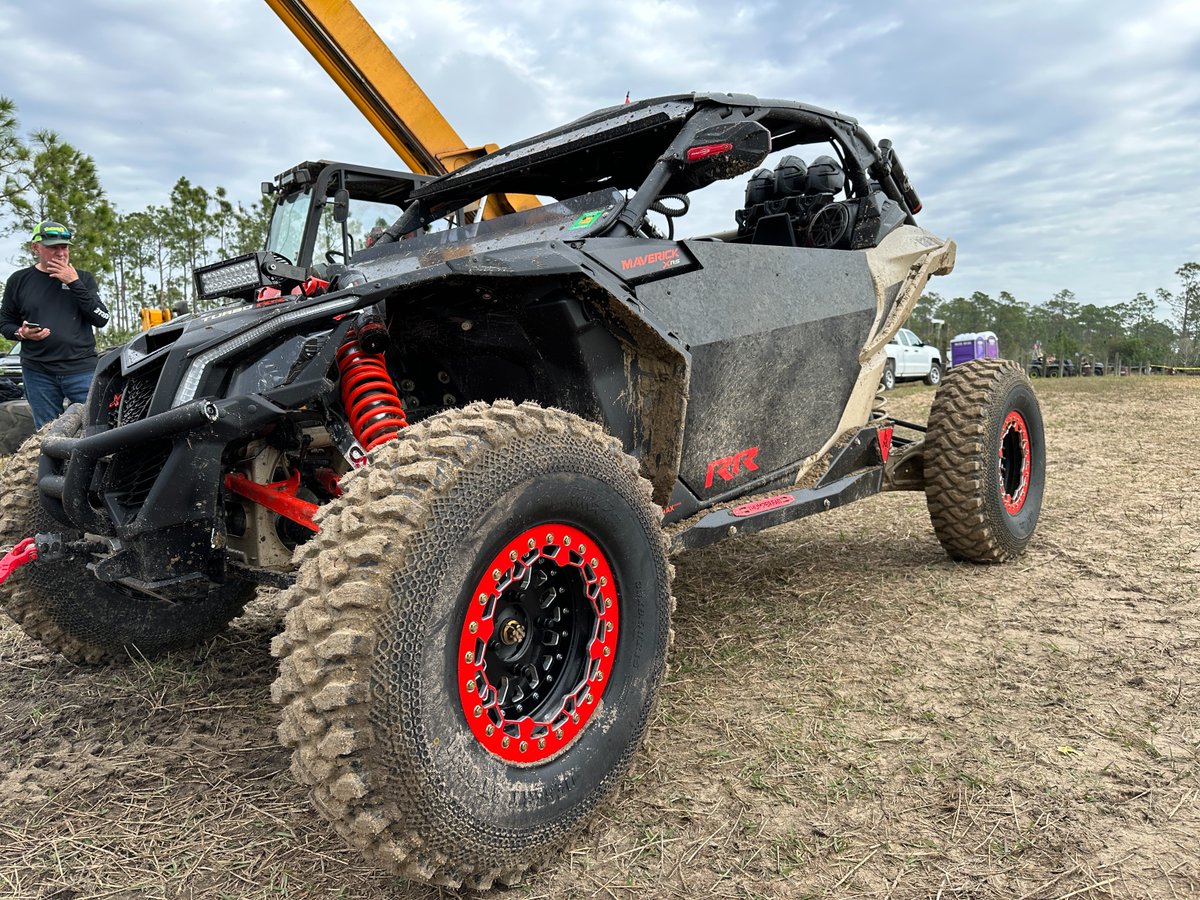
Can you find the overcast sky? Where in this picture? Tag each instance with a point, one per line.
(1056, 142)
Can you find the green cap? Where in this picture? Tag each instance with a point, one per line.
(51, 234)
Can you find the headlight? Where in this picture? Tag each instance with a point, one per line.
(274, 368)
(198, 366)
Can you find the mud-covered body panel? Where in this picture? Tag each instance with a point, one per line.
(767, 329)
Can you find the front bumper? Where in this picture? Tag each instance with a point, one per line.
(151, 488)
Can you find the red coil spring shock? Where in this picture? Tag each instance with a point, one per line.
(371, 400)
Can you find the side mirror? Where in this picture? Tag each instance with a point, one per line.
(341, 205)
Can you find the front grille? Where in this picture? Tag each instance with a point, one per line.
(132, 473)
(136, 397)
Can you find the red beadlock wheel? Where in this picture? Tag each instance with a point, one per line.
(538, 643)
(1015, 462)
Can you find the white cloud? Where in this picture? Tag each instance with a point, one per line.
(1055, 142)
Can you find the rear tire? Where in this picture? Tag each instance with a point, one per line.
(461, 687)
(889, 375)
(985, 461)
(62, 605)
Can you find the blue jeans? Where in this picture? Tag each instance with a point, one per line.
(46, 393)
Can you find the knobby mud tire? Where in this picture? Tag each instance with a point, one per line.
(372, 640)
(979, 416)
(62, 605)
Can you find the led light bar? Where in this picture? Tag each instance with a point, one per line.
(223, 279)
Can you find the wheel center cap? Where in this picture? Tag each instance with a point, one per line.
(512, 632)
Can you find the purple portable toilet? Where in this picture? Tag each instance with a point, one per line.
(973, 345)
(962, 348)
(991, 346)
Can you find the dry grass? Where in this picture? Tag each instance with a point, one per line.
(848, 714)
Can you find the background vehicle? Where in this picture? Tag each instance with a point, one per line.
(1053, 368)
(10, 364)
(909, 357)
(16, 418)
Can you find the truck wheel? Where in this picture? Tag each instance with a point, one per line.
(64, 607)
(475, 642)
(889, 375)
(16, 424)
(935, 374)
(985, 461)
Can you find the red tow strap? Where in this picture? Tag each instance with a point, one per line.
(24, 552)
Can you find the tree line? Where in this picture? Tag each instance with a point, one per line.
(141, 259)
(145, 259)
(1065, 328)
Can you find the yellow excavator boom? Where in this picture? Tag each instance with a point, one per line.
(357, 59)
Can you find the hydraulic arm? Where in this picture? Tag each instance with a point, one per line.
(358, 60)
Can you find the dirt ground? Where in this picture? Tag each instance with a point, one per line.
(848, 714)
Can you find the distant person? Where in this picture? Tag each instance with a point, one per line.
(51, 308)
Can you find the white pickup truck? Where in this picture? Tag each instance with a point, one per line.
(910, 357)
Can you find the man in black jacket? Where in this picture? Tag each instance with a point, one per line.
(51, 308)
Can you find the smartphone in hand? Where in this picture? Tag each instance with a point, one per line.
(34, 325)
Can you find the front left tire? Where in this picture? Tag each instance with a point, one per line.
(66, 608)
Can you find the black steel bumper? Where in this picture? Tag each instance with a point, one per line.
(152, 487)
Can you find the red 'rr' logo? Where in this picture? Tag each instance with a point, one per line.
(729, 467)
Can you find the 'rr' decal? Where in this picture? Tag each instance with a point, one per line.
(729, 467)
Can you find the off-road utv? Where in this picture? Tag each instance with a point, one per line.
(468, 452)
